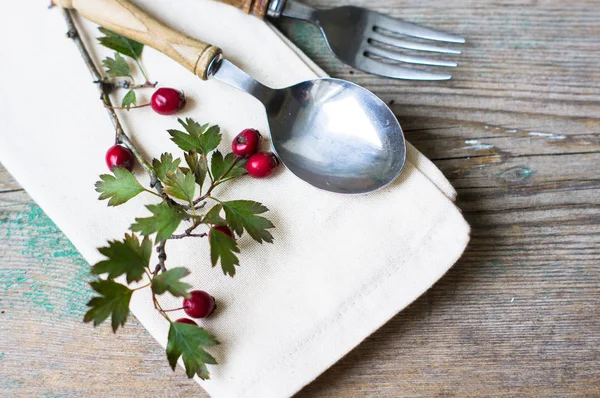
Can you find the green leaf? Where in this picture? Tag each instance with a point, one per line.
(121, 44)
(197, 166)
(217, 165)
(224, 247)
(164, 222)
(229, 167)
(170, 282)
(187, 341)
(242, 215)
(210, 140)
(181, 186)
(114, 299)
(165, 165)
(125, 257)
(130, 99)
(198, 138)
(185, 141)
(213, 216)
(117, 66)
(119, 188)
(193, 127)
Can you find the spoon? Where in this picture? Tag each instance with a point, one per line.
(329, 132)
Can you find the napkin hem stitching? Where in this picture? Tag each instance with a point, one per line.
(364, 293)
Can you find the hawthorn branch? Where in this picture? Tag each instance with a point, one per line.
(104, 88)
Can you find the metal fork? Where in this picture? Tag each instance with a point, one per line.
(364, 39)
(372, 42)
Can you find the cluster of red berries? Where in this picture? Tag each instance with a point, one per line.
(167, 101)
(259, 164)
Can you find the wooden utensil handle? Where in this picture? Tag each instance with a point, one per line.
(128, 20)
(257, 7)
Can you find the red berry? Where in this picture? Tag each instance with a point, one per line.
(167, 101)
(119, 156)
(199, 305)
(246, 143)
(261, 164)
(186, 320)
(224, 229)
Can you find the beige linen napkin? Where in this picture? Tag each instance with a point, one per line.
(340, 267)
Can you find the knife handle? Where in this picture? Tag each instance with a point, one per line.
(257, 7)
(126, 19)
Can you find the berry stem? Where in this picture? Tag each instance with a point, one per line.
(220, 180)
(214, 184)
(131, 107)
(175, 309)
(159, 308)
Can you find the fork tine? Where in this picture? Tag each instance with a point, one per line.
(405, 28)
(398, 72)
(409, 45)
(393, 55)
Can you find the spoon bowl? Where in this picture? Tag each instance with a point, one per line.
(331, 133)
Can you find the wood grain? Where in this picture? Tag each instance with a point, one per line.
(125, 18)
(518, 134)
(256, 7)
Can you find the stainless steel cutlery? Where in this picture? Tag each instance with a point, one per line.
(367, 40)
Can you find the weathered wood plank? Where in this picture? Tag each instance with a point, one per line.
(518, 134)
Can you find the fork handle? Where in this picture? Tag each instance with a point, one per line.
(128, 20)
(257, 7)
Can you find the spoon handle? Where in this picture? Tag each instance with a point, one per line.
(128, 20)
(257, 7)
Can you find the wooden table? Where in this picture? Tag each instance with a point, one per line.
(518, 134)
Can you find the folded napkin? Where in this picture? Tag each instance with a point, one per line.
(340, 267)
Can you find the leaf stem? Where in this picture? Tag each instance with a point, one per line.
(137, 61)
(153, 193)
(142, 287)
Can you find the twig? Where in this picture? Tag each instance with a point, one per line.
(162, 256)
(202, 235)
(104, 89)
(126, 84)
